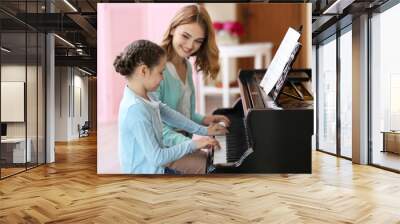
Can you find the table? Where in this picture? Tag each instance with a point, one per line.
(391, 141)
(227, 52)
(13, 150)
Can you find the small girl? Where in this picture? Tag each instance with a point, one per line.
(190, 34)
(141, 148)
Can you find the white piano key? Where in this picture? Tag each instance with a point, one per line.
(220, 155)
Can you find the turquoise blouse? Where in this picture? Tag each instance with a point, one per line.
(141, 148)
(170, 93)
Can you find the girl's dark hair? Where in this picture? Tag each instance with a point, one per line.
(140, 52)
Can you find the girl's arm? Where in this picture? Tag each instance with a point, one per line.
(177, 120)
(142, 130)
(171, 137)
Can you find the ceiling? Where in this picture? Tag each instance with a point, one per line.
(75, 23)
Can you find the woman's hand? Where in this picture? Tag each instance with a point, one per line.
(216, 129)
(212, 119)
(207, 143)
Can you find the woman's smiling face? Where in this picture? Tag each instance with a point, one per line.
(187, 39)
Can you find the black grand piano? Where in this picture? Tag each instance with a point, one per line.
(269, 133)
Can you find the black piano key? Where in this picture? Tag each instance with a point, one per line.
(236, 139)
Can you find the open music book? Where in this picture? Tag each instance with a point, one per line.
(281, 63)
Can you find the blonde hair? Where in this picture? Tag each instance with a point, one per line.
(208, 53)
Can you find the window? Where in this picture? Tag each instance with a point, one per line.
(345, 93)
(327, 96)
(385, 88)
(22, 66)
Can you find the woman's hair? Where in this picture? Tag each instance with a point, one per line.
(208, 53)
(140, 52)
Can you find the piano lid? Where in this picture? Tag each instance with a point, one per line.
(293, 90)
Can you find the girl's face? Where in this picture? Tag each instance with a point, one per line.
(187, 39)
(154, 75)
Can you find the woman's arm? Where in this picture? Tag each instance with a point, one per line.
(202, 119)
(177, 120)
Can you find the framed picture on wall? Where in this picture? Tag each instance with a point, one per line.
(12, 101)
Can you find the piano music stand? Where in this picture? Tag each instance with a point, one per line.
(278, 88)
(292, 80)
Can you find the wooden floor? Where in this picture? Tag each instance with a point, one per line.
(10, 171)
(70, 191)
(386, 159)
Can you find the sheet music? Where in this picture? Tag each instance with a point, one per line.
(280, 59)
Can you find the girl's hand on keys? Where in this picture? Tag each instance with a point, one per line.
(207, 143)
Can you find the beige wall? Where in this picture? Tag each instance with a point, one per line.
(71, 102)
(34, 126)
(17, 73)
(221, 11)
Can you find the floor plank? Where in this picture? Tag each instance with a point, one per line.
(70, 191)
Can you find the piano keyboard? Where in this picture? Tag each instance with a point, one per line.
(233, 145)
(220, 155)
